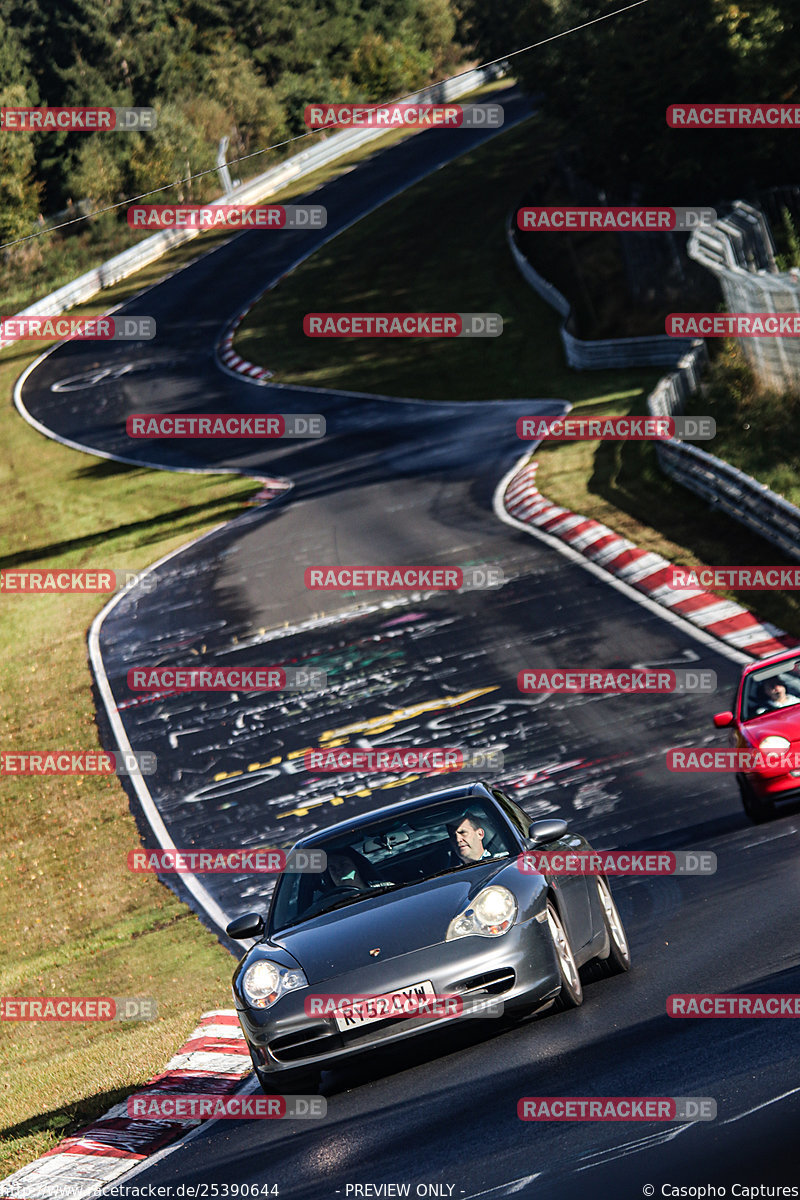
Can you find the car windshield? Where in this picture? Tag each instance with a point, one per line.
(771, 688)
(395, 852)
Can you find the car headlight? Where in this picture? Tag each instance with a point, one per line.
(264, 982)
(491, 913)
(773, 742)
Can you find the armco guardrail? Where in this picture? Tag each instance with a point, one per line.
(253, 191)
(670, 394)
(725, 487)
(658, 350)
(738, 249)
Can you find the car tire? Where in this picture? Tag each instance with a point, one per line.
(757, 810)
(618, 959)
(289, 1083)
(571, 994)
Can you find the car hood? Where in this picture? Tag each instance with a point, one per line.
(783, 722)
(412, 918)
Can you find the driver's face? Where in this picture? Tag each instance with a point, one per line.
(775, 690)
(339, 866)
(469, 841)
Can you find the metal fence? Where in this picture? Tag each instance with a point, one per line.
(739, 251)
(658, 350)
(726, 488)
(325, 151)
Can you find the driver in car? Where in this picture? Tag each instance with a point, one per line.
(792, 678)
(467, 836)
(774, 695)
(347, 871)
(343, 871)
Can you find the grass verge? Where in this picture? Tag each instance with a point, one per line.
(757, 430)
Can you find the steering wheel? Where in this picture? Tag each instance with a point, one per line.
(342, 889)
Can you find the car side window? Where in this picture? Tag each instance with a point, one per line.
(520, 820)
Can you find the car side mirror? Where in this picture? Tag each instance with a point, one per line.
(250, 925)
(549, 830)
(723, 720)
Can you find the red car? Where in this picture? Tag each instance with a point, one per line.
(766, 716)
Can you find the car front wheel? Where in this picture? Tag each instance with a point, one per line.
(619, 955)
(571, 994)
(758, 810)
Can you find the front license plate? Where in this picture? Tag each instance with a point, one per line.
(379, 1008)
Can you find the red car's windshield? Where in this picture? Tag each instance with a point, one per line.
(771, 689)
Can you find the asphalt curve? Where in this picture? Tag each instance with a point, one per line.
(410, 483)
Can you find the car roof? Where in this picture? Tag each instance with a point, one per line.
(466, 791)
(760, 663)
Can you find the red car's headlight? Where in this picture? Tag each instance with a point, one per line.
(773, 742)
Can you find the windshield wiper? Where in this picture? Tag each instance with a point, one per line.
(447, 871)
(342, 901)
(461, 866)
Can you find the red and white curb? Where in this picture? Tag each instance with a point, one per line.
(641, 569)
(233, 361)
(215, 1059)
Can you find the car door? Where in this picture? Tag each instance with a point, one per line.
(572, 891)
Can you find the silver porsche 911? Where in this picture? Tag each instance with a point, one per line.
(423, 914)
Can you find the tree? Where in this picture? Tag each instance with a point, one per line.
(19, 191)
(184, 143)
(256, 115)
(385, 69)
(611, 84)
